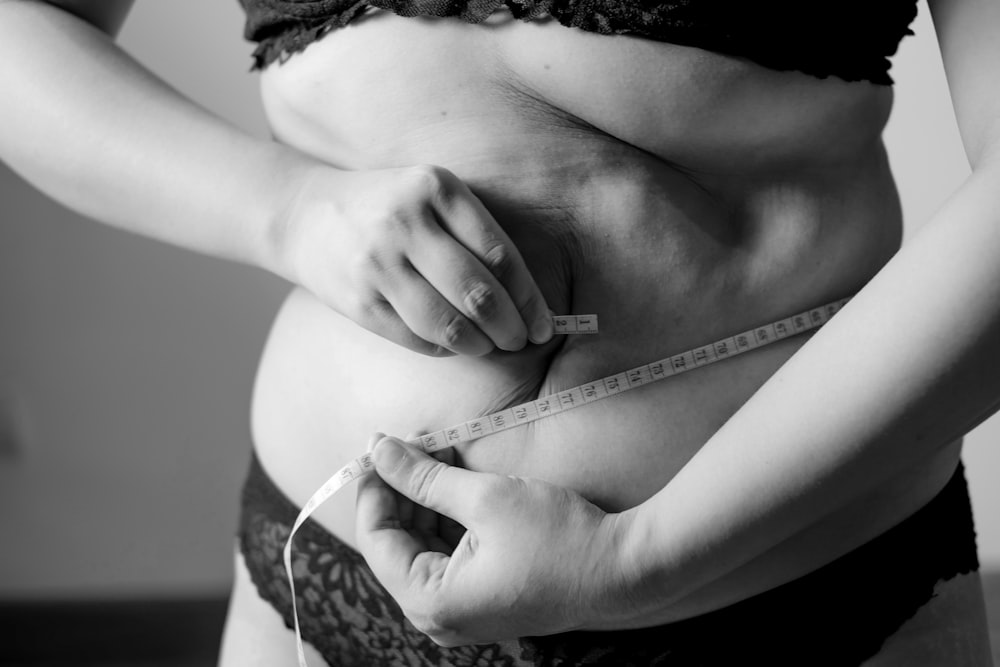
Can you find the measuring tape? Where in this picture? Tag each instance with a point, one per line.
(563, 401)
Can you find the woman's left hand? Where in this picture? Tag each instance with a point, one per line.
(535, 558)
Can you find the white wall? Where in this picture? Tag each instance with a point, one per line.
(927, 156)
(128, 364)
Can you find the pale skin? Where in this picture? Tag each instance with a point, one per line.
(769, 479)
(486, 300)
(877, 409)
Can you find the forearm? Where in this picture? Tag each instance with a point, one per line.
(908, 366)
(88, 126)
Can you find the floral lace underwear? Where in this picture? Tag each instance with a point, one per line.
(838, 615)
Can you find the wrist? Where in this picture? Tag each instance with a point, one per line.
(288, 176)
(630, 581)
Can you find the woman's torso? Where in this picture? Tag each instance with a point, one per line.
(679, 194)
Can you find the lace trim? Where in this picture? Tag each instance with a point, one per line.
(852, 41)
(848, 607)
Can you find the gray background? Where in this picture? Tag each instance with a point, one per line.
(126, 366)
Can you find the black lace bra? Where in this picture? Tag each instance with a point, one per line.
(850, 39)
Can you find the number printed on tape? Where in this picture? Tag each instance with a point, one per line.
(562, 401)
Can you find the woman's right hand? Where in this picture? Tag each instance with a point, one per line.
(413, 256)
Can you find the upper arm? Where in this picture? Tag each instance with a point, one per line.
(105, 15)
(969, 34)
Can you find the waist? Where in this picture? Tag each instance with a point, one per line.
(669, 258)
(325, 384)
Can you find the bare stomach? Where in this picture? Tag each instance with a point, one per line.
(680, 195)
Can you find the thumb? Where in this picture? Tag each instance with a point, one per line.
(425, 480)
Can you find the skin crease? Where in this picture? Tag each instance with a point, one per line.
(352, 145)
(761, 191)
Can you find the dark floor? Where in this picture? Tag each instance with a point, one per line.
(136, 633)
(179, 633)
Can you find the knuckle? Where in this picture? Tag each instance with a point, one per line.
(437, 351)
(374, 267)
(368, 309)
(431, 180)
(394, 220)
(413, 342)
(481, 301)
(422, 481)
(454, 331)
(499, 260)
(376, 316)
(366, 264)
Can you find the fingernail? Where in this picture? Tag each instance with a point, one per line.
(541, 329)
(388, 454)
(373, 440)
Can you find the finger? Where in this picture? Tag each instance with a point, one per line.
(411, 437)
(430, 316)
(377, 508)
(427, 521)
(465, 217)
(383, 320)
(422, 520)
(373, 440)
(467, 284)
(399, 560)
(445, 489)
(449, 531)
(404, 506)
